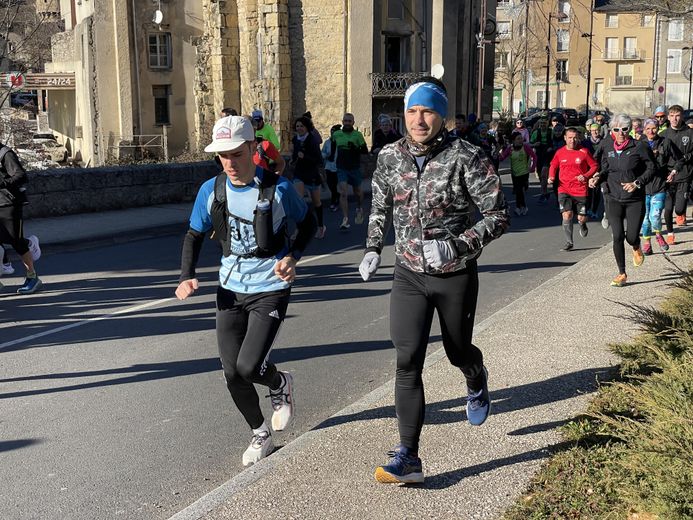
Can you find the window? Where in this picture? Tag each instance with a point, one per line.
(624, 74)
(674, 61)
(395, 9)
(562, 71)
(504, 30)
(675, 30)
(647, 20)
(598, 96)
(611, 21)
(629, 48)
(563, 44)
(522, 30)
(564, 7)
(397, 56)
(611, 48)
(502, 59)
(161, 113)
(160, 51)
(541, 98)
(561, 98)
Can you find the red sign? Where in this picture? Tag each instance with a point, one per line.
(15, 80)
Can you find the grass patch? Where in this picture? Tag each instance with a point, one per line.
(630, 456)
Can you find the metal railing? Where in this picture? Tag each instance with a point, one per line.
(392, 84)
(630, 81)
(125, 147)
(623, 54)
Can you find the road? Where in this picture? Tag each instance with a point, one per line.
(111, 396)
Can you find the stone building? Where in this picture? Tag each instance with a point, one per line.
(140, 74)
(673, 62)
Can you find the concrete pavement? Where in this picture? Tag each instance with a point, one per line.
(545, 353)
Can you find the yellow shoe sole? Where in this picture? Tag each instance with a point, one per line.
(384, 477)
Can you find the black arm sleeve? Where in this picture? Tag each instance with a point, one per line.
(192, 244)
(306, 230)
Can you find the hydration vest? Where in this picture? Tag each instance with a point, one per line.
(220, 218)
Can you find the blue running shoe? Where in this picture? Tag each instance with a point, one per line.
(479, 403)
(30, 286)
(402, 468)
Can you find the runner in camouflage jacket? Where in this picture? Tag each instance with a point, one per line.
(437, 202)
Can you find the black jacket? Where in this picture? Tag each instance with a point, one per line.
(681, 159)
(635, 163)
(12, 180)
(661, 151)
(307, 169)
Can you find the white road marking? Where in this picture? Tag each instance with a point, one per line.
(139, 307)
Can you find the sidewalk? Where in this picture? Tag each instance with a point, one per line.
(545, 353)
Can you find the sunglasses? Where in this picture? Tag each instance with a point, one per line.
(624, 130)
(659, 117)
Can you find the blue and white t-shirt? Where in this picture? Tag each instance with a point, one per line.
(248, 275)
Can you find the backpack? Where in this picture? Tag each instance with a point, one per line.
(220, 217)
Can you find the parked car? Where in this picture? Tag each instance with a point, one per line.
(570, 116)
(49, 144)
(24, 100)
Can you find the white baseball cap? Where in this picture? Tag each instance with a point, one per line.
(229, 133)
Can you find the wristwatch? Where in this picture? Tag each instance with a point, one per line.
(637, 183)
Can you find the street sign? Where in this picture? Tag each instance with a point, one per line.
(14, 80)
(49, 80)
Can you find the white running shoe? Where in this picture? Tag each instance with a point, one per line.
(518, 211)
(7, 268)
(525, 210)
(345, 223)
(283, 403)
(261, 445)
(320, 233)
(359, 217)
(34, 247)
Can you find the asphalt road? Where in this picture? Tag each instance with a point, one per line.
(112, 401)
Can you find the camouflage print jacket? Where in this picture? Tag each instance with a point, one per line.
(438, 202)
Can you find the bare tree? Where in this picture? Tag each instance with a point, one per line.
(665, 8)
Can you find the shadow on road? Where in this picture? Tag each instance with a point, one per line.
(506, 400)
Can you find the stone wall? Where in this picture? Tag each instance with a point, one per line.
(68, 191)
(85, 190)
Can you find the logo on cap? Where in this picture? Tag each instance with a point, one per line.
(223, 133)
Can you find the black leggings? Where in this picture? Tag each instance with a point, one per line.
(246, 327)
(634, 214)
(520, 185)
(677, 199)
(414, 298)
(12, 229)
(332, 184)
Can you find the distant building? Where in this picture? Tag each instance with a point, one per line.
(135, 78)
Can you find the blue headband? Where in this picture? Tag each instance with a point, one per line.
(428, 95)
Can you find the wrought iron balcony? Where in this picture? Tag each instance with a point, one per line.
(623, 55)
(630, 81)
(392, 84)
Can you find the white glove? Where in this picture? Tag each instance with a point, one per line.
(369, 265)
(438, 253)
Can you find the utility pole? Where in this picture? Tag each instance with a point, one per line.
(589, 60)
(525, 94)
(548, 66)
(482, 54)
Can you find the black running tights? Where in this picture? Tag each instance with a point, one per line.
(634, 214)
(414, 298)
(676, 200)
(246, 327)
